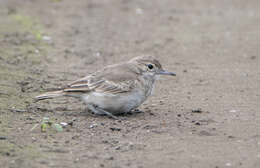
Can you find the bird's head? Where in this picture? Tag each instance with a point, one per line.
(150, 67)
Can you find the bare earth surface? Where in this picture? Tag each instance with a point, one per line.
(208, 116)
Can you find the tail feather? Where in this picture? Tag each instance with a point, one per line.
(50, 95)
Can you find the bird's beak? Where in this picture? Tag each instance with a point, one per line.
(163, 72)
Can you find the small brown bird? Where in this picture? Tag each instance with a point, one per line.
(115, 89)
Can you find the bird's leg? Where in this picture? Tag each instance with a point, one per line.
(137, 111)
(134, 111)
(100, 111)
(106, 112)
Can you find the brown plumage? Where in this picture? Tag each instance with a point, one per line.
(116, 88)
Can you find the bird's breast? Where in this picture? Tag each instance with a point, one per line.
(147, 85)
(119, 103)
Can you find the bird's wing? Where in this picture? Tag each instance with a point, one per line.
(102, 85)
(85, 84)
(112, 87)
(112, 79)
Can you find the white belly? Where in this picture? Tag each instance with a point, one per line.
(120, 103)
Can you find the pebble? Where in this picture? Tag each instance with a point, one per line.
(64, 124)
(197, 123)
(197, 110)
(46, 38)
(93, 125)
(3, 138)
(205, 133)
(34, 139)
(232, 111)
(228, 164)
(115, 129)
(110, 158)
(118, 148)
(139, 11)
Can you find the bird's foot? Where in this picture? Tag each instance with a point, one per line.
(135, 111)
(100, 111)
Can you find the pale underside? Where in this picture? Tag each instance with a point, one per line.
(117, 93)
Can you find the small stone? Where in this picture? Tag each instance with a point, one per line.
(75, 137)
(30, 118)
(205, 133)
(228, 164)
(64, 124)
(197, 123)
(3, 138)
(115, 129)
(139, 11)
(98, 54)
(196, 110)
(152, 114)
(118, 148)
(93, 125)
(76, 160)
(46, 38)
(253, 57)
(105, 141)
(110, 158)
(232, 111)
(13, 109)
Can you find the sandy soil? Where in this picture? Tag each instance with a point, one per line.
(208, 116)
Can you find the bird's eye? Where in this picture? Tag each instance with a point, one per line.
(150, 66)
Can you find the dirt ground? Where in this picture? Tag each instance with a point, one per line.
(208, 116)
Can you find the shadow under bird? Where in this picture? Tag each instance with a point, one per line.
(115, 89)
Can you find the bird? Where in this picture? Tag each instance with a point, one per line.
(115, 89)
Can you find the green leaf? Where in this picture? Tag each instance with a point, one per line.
(44, 127)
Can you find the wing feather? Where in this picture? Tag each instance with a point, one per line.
(102, 86)
(111, 87)
(110, 80)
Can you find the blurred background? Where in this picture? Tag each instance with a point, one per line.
(212, 45)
